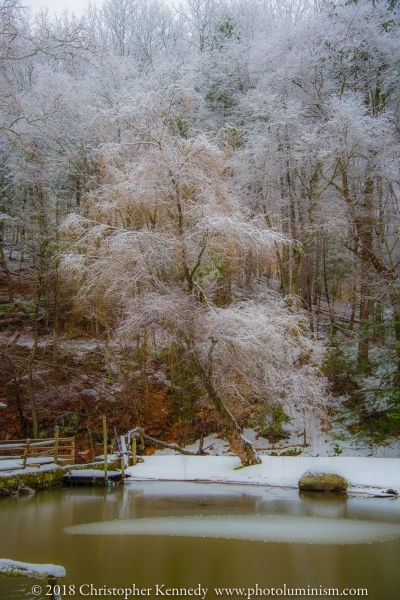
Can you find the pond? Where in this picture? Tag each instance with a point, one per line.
(169, 538)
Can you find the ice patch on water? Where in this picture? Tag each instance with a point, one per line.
(268, 528)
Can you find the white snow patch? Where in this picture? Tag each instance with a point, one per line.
(280, 471)
(14, 568)
(14, 467)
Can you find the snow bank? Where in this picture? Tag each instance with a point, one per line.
(11, 468)
(281, 471)
(14, 568)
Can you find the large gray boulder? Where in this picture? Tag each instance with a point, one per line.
(322, 482)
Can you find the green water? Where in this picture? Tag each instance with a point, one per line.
(32, 530)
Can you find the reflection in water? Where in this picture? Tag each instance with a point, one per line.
(18, 588)
(273, 528)
(32, 530)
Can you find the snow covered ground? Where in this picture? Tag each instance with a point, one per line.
(323, 439)
(365, 475)
(16, 464)
(327, 439)
(11, 467)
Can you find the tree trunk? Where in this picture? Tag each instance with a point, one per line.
(32, 355)
(238, 444)
(56, 323)
(366, 239)
(395, 301)
(6, 270)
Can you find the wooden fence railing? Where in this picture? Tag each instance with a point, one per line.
(62, 450)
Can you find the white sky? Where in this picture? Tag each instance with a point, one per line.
(58, 6)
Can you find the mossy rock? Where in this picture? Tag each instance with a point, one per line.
(322, 482)
(37, 480)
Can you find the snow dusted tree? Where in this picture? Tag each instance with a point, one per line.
(321, 164)
(211, 156)
(142, 29)
(119, 17)
(161, 254)
(32, 92)
(362, 173)
(202, 17)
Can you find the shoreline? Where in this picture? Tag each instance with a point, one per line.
(364, 475)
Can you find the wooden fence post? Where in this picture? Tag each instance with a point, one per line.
(105, 448)
(133, 445)
(54, 588)
(28, 443)
(56, 444)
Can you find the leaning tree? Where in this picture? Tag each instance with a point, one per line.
(161, 252)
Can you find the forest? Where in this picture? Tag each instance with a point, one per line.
(199, 219)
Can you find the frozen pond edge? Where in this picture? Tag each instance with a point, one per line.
(365, 475)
